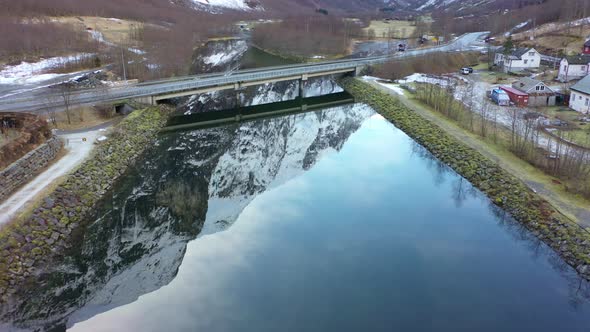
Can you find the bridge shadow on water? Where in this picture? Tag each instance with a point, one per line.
(248, 113)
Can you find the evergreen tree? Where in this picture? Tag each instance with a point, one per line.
(508, 45)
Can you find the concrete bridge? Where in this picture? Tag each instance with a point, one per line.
(154, 91)
(249, 113)
(241, 79)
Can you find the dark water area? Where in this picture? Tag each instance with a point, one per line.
(232, 54)
(257, 58)
(332, 220)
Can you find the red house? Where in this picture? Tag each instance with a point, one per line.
(586, 47)
(519, 98)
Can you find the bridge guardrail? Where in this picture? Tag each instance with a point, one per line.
(211, 80)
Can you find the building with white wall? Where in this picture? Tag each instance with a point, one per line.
(518, 59)
(574, 68)
(580, 96)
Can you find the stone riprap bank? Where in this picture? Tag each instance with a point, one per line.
(23, 170)
(567, 238)
(33, 241)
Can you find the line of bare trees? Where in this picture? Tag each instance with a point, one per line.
(523, 136)
(507, 14)
(169, 33)
(306, 36)
(438, 63)
(22, 39)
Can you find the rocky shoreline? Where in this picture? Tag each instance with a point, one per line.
(34, 240)
(567, 238)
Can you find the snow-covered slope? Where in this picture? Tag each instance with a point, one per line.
(216, 5)
(455, 5)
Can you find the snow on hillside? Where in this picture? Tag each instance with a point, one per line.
(33, 72)
(427, 4)
(224, 56)
(231, 4)
(552, 27)
(436, 4)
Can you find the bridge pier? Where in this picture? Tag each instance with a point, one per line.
(238, 99)
(358, 70)
(302, 81)
(149, 100)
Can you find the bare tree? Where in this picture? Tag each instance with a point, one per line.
(65, 90)
(49, 110)
(485, 116)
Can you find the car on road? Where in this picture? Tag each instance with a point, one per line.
(466, 70)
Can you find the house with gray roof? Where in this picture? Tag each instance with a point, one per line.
(539, 93)
(518, 59)
(580, 97)
(574, 67)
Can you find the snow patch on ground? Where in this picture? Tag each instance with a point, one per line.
(391, 86)
(34, 72)
(427, 4)
(422, 78)
(551, 27)
(516, 27)
(221, 58)
(231, 4)
(136, 51)
(99, 37)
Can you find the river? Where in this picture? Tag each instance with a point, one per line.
(332, 220)
(329, 220)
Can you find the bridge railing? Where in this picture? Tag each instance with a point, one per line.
(219, 79)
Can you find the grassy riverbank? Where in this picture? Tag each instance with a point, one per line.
(563, 235)
(48, 229)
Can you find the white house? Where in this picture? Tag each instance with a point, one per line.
(574, 67)
(580, 97)
(519, 59)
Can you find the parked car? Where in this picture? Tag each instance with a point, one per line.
(500, 97)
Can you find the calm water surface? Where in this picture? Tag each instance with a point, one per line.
(373, 236)
(324, 221)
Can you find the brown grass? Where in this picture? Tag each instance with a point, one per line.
(33, 132)
(399, 29)
(7, 136)
(439, 63)
(82, 117)
(117, 31)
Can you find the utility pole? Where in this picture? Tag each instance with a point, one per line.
(123, 62)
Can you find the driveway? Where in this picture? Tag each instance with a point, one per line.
(76, 151)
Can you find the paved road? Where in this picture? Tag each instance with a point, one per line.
(40, 100)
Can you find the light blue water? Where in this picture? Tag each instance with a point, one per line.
(375, 236)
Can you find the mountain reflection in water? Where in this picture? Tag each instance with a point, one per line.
(188, 184)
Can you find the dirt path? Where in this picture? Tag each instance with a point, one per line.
(570, 205)
(76, 151)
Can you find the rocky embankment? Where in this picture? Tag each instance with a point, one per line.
(23, 170)
(567, 238)
(48, 230)
(32, 132)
